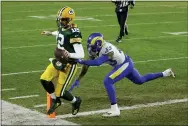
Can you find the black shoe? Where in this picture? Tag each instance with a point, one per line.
(55, 104)
(76, 106)
(118, 39)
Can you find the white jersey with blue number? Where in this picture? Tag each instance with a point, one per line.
(116, 56)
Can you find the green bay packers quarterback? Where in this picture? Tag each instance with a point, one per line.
(68, 37)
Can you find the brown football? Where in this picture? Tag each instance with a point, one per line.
(60, 55)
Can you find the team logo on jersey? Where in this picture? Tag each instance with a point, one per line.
(58, 63)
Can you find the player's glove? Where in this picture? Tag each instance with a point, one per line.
(75, 84)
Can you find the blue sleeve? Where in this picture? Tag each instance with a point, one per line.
(96, 62)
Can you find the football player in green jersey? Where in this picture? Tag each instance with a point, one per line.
(68, 37)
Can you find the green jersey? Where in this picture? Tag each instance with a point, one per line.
(65, 39)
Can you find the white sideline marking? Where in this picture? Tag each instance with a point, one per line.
(20, 47)
(21, 97)
(125, 108)
(13, 114)
(8, 74)
(43, 105)
(135, 24)
(175, 33)
(8, 89)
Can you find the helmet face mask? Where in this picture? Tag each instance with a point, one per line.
(62, 22)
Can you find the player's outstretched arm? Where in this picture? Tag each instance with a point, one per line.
(95, 62)
(48, 33)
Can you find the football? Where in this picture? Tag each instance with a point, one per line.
(61, 55)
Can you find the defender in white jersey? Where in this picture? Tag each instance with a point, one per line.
(116, 56)
(101, 52)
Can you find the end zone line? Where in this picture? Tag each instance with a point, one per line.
(125, 108)
(164, 59)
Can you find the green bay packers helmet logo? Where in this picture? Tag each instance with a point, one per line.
(71, 11)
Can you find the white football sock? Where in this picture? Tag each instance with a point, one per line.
(73, 100)
(53, 96)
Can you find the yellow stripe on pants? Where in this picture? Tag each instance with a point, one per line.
(119, 71)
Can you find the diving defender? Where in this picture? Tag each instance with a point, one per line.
(101, 51)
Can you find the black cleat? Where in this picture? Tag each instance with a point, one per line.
(55, 104)
(76, 106)
(118, 39)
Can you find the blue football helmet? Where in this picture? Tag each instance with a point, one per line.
(95, 42)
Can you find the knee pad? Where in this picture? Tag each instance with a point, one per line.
(48, 86)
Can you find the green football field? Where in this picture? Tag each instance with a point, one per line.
(157, 40)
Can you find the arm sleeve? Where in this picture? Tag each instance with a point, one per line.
(55, 33)
(96, 62)
(79, 51)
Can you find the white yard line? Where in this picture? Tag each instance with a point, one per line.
(46, 45)
(22, 97)
(135, 24)
(158, 13)
(37, 71)
(89, 8)
(16, 115)
(40, 105)
(30, 46)
(125, 108)
(106, 15)
(8, 89)
(176, 33)
(156, 60)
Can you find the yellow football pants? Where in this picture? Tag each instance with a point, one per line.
(60, 78)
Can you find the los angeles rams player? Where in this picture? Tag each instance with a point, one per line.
(68, 38)
(105, 52)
